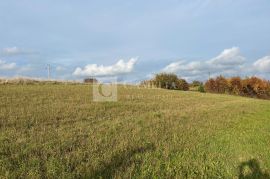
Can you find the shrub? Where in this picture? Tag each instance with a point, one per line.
(201, 88)
(196, 83)
(256, 87)
(252, 87)
(222, 84)
(235, 86)
(148, 83)
(167, 81)
(210, 86)
(182, 85)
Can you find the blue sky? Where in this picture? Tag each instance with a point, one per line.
(134, 39)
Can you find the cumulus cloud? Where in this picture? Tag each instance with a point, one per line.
(121, 67)
(10, 51)
(229, 61)
(174, 67)
(263, 64)
(229, 57)
(7, 66)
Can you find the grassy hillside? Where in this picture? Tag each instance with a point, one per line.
(58, 131)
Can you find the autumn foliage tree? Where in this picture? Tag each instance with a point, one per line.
(256, 87)
(182, 85)
(235, 85)
(252, 87)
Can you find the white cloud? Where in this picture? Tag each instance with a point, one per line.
(14, 51)
(121, 67)
(7, 66)
(174, 67)
(263, 64)
(230, 56)
(229, 61)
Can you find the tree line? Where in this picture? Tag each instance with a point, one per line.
(249, 86)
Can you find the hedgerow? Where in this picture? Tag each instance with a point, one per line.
(250, 86)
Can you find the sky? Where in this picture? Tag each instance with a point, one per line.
(133, 40)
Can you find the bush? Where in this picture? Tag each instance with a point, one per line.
(252, 87)
(148, 83)
(182, 85)
(167, 81)
(196, 83)
(235, 86)
(222, 85)
(201, 88)
(256, 87)
(210, 86)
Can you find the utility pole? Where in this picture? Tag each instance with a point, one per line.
(209, 75)
(49, 71)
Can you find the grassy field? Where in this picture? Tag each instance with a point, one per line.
(49, 131)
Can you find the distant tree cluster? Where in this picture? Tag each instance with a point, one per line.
(90, 80)
(252, 86)
(197, 86)
(167, 81)
(196, 83)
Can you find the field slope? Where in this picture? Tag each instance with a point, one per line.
(49, 131)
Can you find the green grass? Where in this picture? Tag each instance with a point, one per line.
(49, 131)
